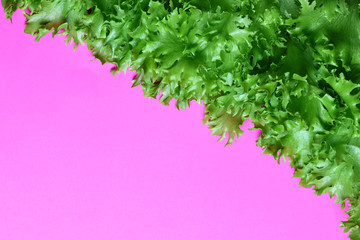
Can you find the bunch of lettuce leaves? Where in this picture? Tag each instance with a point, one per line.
(292, 66)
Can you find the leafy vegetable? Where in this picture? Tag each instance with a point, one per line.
(292, 66)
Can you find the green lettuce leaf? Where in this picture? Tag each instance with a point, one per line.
(291, 66)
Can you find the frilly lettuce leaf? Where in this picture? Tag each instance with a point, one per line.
(292, 66)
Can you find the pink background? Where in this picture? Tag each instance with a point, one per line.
(84, 156)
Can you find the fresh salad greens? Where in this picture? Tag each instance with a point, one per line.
(292, 66)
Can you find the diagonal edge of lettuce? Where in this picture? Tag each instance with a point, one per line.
(292, 66)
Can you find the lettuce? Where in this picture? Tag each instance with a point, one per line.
(292, 66)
